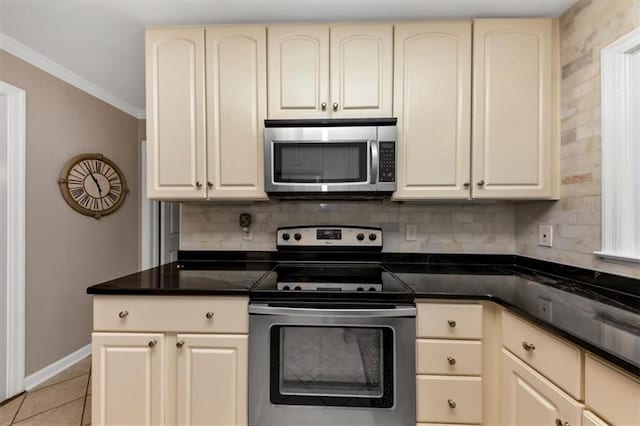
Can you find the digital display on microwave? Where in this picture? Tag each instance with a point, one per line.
(329, 234)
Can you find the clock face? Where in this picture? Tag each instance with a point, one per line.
(93, 185)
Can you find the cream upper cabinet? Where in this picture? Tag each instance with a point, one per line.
(128, 378)
(319, 71)
(530, 399)
(236, 66)
(212, 376)
(298, 74)
(176, 162)
(361, 70)
(515, 140)
(432, 101)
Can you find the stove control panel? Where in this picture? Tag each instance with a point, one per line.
(310, 236)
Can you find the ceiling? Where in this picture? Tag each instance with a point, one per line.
(102, 41)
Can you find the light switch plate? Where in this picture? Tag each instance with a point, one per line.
(545, 235)
(411, 232)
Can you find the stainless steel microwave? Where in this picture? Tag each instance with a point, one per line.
(330, 157)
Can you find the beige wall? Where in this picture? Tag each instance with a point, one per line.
(67, 252)
(585, 29)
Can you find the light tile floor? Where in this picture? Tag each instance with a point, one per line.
(65, 399)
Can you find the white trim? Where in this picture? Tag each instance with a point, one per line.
(36, 59)
(615, 257)
(16, 190)
(620, 153)
(149, 223)
(59, 366)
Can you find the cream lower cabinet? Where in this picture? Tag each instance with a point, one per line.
(530, 399)
(218, 154)
(515, 108)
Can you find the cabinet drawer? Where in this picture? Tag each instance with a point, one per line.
(449, 321)
(559, 361)
(612, 394)
(443, 399)
(458, 357)
(171, 314)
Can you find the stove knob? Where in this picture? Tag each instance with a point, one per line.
(297, 236)
(372, 288)
(373, 237)
(286, 287)
(297, 287)
(360, 289)
(360, 236)
(285, 236)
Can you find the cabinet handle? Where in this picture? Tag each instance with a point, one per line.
(153, 343)
(335, 106)
(481, 183)
(209, 315)
(198, 184)
(466, 184)
(123, 314)
(323, 106)
(528, 346)
(180, 344)
(451, 323)
(558, 422)
(451, 360)
(452, 403)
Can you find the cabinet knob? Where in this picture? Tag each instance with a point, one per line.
(198, 184)
(153, 343)
(528, 346)
(481, 183)
(209, 184)
(452, 403)
(466, 184)
(323, 106)
(451, 360)
(451, 323)
(180, 344)
(558, 422)
(335, 106)
(123, 314)
(209, 315)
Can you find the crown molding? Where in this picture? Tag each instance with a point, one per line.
(38, 60)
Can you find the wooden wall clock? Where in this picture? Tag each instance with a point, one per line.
(93, 185)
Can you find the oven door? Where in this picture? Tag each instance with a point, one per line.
(311, 160)
(332, 366)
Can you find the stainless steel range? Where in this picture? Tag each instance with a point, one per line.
(332, 334)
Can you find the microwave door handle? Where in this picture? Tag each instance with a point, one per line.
(374, 162)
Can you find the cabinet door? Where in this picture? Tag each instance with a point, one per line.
(236, 109)
(298, 76)
(514, 104)
(176, 168)
(361, 70)
(432, 101)
(128, 381)
(212, 379)
(530, 399)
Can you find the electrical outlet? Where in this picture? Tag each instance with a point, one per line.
(544, 309)
(411, 232)
(545, 235)
(247, 235)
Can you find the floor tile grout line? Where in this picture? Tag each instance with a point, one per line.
(13, 419)
(45, 411)
(56, 383)
(84, 401)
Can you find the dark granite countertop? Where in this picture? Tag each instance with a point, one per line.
(600, 312)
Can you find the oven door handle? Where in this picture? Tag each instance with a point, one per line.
(402, 311)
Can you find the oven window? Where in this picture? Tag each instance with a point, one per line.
(340, 366)
(320, 162)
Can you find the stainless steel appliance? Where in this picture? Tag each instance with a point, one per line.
(331, 334)
(330, 157)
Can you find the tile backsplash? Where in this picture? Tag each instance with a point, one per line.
(442, 228)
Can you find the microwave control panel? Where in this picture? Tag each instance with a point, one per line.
(387, 162)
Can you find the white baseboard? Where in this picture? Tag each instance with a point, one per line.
(60, 365)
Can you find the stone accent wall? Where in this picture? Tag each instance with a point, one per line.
(585, 29)
(450, 228)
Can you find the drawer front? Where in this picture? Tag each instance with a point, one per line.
(590, 419)
(442, 399)
(171, 314)
(449, 321)
(456, 357)
(557, 360)
(614, 395)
